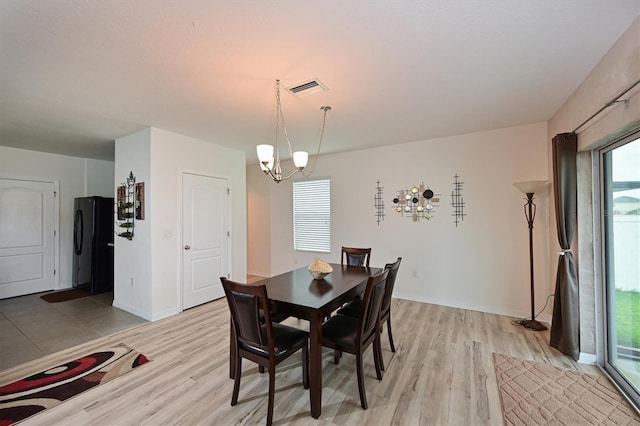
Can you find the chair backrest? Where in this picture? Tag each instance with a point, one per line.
(355, 256)
(245, 302)
(391, 281)
(371, 302)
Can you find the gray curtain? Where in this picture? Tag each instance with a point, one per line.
(565, 324)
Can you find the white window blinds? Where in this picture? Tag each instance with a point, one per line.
(312, 215)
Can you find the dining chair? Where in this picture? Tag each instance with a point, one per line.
(264, 342)
(354, 335)
(355, 256)
(275, 317)
(354, 307)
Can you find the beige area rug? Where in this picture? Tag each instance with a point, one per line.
(533, 393)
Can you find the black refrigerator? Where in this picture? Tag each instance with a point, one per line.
(93, 244)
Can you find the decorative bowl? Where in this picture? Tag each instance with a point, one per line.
(319, 269)
(317, 275)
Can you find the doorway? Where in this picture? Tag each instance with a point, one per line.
(620, 251)
(205, 238)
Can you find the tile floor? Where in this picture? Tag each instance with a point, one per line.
(31, 327)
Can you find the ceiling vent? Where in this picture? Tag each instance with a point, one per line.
(308, 88)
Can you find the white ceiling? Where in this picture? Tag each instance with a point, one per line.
(77, 74)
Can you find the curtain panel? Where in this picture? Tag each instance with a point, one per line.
(565, 324)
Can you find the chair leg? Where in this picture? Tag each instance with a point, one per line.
(377, 346)
(305, 366)
(272, 389)
(261, 369)
(236, 379)
(232, 352)
(393, 348)
(336, 356)
(360, 374)
(377, 357)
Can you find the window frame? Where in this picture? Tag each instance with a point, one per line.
(603, 265)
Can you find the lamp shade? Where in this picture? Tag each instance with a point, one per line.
(300, 159)
(531, 186)
(265, 153)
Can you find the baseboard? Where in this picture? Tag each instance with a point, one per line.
(456, 304)
(586, 358)
(165, 314)
(144, 315)
(155, 316)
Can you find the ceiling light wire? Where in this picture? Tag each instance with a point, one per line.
(272, 166)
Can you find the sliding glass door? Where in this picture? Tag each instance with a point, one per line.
(620, 230)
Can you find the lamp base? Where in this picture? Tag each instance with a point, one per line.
(532, 324)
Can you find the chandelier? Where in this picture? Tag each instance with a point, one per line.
(269, 164)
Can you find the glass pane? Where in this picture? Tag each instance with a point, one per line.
(621, 178)
(312, 215)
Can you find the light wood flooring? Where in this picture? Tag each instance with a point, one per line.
(441, 374)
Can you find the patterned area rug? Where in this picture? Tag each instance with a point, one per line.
(540, 394)
(33, 394)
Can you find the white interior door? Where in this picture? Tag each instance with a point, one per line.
(205, 238)
(27, 239)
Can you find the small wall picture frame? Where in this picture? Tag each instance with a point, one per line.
(121, 200)
(139, 201)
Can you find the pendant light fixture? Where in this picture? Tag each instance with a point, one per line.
(269, 156)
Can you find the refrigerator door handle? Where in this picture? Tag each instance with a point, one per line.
(78, 230)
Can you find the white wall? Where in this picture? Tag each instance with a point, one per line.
(258, 216)
(171, 155)
(100, 178)
(75, 176)
(153, 258)
(615, 72)
(133, 286)
(483, 264)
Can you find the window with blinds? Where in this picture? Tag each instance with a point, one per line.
(312, 215)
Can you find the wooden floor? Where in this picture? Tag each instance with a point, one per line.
(442, 373)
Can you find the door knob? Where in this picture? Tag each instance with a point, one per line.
(187, 247)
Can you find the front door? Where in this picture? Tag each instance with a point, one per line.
(205, 238)
(27, 237)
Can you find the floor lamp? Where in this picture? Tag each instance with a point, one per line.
(530, 188)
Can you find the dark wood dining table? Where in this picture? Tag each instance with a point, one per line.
(297, 294)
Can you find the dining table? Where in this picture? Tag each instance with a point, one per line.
(296, 293)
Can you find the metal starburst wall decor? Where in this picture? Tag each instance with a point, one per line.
(418, 202)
